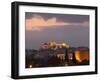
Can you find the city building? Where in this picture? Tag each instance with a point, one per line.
(54, 45)
(82, 54)
(60, 54)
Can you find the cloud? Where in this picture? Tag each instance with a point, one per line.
(38, 23)
(81, 24)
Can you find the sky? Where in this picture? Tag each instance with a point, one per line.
(46, 27)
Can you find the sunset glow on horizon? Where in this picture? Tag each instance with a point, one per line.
(37, 23)
(45, 27)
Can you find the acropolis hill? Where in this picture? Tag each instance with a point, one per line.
(54, 45)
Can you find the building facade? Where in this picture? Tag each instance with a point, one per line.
(53, 45)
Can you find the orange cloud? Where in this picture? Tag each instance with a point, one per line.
(38, 23)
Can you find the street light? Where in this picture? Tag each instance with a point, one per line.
(30, 66)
